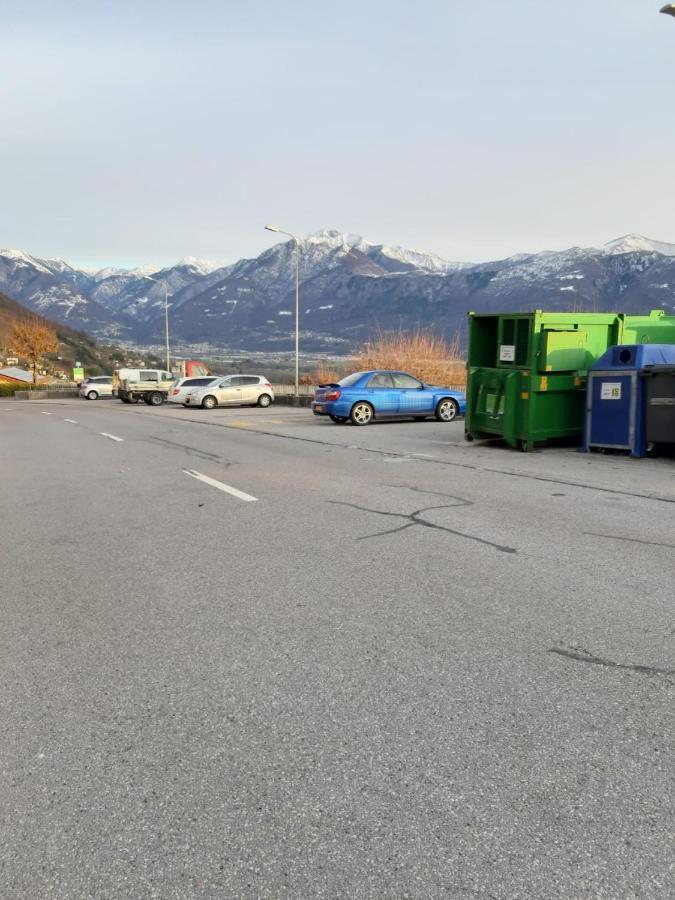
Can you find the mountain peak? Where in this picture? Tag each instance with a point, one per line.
(203, 266)
(637, 243)
(336, 239)
(24, 258)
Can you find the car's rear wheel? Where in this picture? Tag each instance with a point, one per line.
(264, 400)
(209, 402)
(92, 395)
(339, 420)
(362, 413)
(446, 410)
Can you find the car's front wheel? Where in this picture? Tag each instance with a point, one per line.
(264, 400)
(447, 410)
(362, 413)
(209, 402)
(92, 395)
(155, 399)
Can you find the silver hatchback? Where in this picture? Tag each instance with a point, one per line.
(233, 390)
(93, 388)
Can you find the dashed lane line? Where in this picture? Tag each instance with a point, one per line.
(112, 437)
(45, 413)
(221, 486)
(72, 421)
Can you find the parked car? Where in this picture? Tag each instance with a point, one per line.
(364, 396)
(93, 388)
(233, 390)
(183, 386)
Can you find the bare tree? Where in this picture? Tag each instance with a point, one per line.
(31, 339)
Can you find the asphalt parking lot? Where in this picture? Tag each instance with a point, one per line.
(251, 653)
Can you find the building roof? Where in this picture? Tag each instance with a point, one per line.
(13, 373)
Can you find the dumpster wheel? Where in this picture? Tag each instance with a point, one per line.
(468, 436)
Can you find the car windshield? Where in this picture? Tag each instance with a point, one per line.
(351, 379)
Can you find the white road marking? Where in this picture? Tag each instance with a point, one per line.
(220, 486)
(72, 421)
(111, 436)
(45, 413)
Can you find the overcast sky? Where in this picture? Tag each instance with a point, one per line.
(144, 131)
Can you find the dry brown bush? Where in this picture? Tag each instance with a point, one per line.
(329, 374)
(421, 353)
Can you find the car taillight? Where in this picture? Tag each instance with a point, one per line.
(333, 395)
(175, 391)
(267, 385)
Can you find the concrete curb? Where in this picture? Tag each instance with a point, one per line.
(45, 395)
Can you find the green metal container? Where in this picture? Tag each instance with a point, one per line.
(656, 328)
(527, 371)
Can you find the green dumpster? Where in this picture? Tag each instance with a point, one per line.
(527, 373)
(656, 328)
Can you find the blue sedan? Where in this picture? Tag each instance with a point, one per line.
(364, 396)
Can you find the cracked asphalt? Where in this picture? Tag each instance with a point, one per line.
(347, 662)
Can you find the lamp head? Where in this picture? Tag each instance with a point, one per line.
(668, 9)
(272, 228)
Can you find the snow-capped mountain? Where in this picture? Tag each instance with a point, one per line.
(636, 243)
(350, 287)
(54, 289)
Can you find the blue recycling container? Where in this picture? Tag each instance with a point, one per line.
(615, 396)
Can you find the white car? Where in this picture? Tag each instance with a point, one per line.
(234, 390)
(183, 386)
(93, 388)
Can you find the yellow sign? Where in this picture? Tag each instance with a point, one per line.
(543, 383)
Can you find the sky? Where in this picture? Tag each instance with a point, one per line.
(143, 132)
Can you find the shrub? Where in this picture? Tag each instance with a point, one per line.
(425, 355)
(329, 374)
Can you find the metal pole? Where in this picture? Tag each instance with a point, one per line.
(166, 326)
(297, 321)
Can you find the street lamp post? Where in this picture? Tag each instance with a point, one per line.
(296, 395)
(166, 321)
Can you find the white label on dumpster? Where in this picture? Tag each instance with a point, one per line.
(610, 390)
(507, 353)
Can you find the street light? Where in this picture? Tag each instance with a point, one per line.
(297, 306)
(166, 319)
(668, 9)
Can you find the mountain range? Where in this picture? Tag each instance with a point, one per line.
(350, 289)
